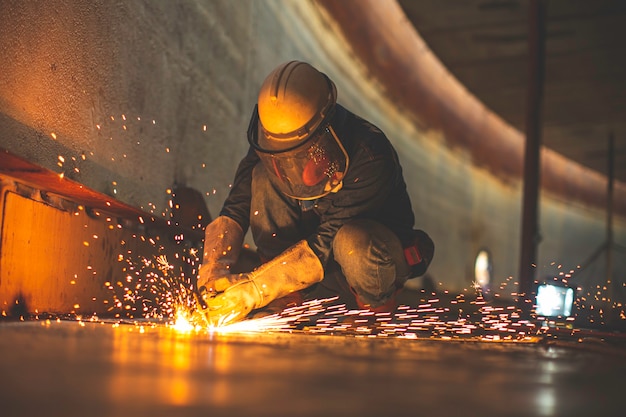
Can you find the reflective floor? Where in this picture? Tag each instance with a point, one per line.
(69, 368)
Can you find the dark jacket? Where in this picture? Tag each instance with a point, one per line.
(373, 187)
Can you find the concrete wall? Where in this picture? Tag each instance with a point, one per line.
(140, 93)
(132, 98)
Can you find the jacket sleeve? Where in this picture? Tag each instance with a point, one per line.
(364, 193)
(237, 204)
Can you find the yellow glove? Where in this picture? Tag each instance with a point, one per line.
(223, 238)
(295, 269)
(234, 303)
(214, 284)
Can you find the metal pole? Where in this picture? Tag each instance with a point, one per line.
(609, 224)
(530, 226)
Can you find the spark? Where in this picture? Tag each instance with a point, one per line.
(183, 322)
(273, 322)
(163, 264)
(153, 288)
(321, 316)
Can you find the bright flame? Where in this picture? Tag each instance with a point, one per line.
(182, 323)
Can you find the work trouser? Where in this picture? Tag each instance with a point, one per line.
(367, 266)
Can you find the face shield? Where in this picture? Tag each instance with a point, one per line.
(311, 169)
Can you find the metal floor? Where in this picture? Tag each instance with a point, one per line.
(71, 368)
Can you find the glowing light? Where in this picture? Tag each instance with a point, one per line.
(554, 301)
(482, 269)
(183, 323)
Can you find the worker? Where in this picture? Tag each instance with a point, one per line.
(323, 194)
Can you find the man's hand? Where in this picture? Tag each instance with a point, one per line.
(295, 269)
(223, 239)
(234, 303)
(216, 283)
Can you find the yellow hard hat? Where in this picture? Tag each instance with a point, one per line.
(293, 134)
(293, 101)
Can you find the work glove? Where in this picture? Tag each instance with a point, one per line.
(223, 239)
(295, 269)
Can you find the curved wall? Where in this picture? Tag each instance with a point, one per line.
(132, 98)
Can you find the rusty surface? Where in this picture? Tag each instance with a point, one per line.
(386, 42)
(67, 249)
(43, 179)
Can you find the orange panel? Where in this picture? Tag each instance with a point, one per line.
(57, 257)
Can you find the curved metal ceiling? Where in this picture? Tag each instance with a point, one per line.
(386, 41)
